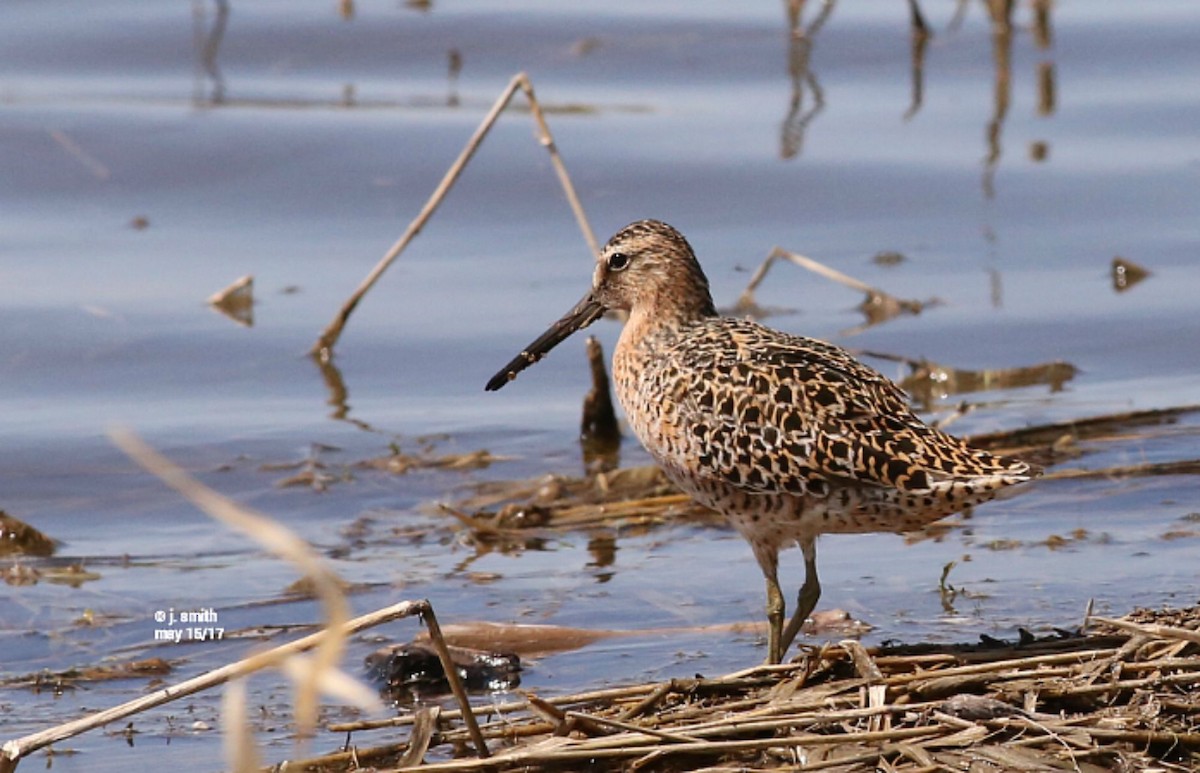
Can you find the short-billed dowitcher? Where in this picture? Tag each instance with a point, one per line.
(788, 437)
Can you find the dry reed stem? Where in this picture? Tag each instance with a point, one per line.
(1149, 629)
(559, 751)
(241, 753)
(14, 750)
(452, 677)
(422, 733)
(1089, 428)
(612, 694)
(875, 297)
(323, 348)
(813, 713)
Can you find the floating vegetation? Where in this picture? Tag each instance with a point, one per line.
(60, 681)
(930, 382)
(1126, 274)
(236, 301)
(399, 463)
(888, 258)
(18, 538)
(631, 496)
(73, 574)
(313, 471)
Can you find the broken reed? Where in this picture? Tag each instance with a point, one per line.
(1076, 701)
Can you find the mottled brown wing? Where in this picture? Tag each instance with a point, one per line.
(785, 414)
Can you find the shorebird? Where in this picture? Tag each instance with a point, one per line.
(788, 437)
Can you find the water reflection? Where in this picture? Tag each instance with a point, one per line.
(807, 98)
(1046, 91)
(338, 393)
(455, 67)
(920, 40)
(602, 547)
(1043, 36)
(1000, 13)
(800, 43)
(931, 382)
(207, 46)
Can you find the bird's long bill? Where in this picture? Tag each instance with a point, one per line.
(587, 311)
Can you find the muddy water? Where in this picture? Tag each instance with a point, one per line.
(152, 155)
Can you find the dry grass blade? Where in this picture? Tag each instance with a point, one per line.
(279, 540)
(240, 752)
(1174, 467)
(310, 675)
(323, 348)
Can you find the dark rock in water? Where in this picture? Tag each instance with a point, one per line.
(414, 670)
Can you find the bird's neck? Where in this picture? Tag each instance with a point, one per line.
(663, 315)
(678, 303)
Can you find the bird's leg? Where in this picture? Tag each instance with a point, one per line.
(809, 593)
(768, 561)
(775, 611)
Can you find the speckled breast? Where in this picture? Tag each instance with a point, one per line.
(654, 393)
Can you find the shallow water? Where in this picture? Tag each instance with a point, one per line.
(305, 146)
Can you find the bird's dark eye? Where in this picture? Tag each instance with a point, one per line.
(617, 261)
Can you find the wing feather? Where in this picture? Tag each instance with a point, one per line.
(776, 413)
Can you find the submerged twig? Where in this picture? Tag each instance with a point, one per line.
(599, 433)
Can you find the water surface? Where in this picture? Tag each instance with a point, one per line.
(297, 147)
